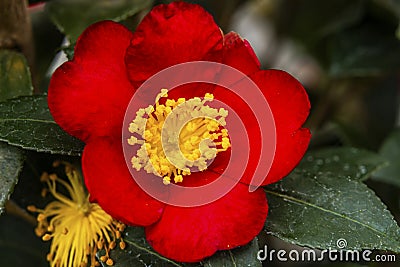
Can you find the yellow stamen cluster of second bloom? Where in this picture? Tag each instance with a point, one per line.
(78, 229)
(178, 136)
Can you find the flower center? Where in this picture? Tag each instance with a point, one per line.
(178, 137)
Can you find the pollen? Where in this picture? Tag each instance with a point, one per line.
(178, 137)
(77, 228)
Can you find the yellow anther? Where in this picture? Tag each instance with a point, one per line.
(100, 244)
(170, 103)
(104, 258)
(56, 163)
(112, 245)
(178, 178)
(185, 122)
(31, 208)
(190, 126)
(121, 227)
(164, 93)
(49, 257)
(65, 231)
(118, 234)
(209, 96)
(122, 245)
(39, 231)
(68, 169)
(132, 140)
(44, 192)
(44, 177)
(46, 237)
(110, 262)
(41, 217)
(225, 143)
(166, 180)
(148, 135)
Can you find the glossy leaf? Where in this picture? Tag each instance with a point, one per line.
(72, 17)
(138, 252)
(26, 122)
(323, 17)
(356, 52)
(317, 207)
(11, 162)
(345, 162)
(390, 150)
(15, 78)
(242, 256)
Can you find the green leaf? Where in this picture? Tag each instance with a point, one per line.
(390, 150)
(26, 122)
(11, 162)
(323, 17)
(317, 207)
(19, 246)
(356, 52)
(345, 162)
(15, 78)
(238, 257)
(72, 17)
(138, 252)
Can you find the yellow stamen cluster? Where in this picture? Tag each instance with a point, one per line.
(78, 229)
(178, 137)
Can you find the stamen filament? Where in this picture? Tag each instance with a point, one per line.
(77, 228)
(173, 136)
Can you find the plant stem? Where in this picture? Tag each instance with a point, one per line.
(13, 209)
(15, 28)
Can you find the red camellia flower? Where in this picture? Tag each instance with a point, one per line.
(88, 97)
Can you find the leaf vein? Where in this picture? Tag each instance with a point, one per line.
(328, 211)
(151, 252)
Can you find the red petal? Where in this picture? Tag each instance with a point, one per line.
(238, 161)
(171, 34)
(191, 234)
(110, 183)
(286, 97)
(88, 95)
(290, 149)
(290, 107)
(239, 54)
